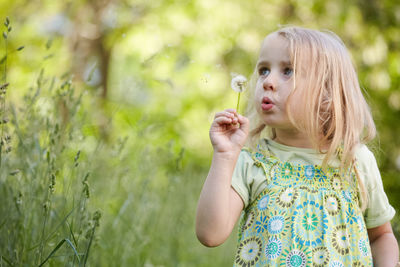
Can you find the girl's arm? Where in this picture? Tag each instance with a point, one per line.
(219, 205)
(385, 250)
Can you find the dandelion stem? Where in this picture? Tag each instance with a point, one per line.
(237, 106)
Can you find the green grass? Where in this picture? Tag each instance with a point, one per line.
(52, 183)
(72, 197)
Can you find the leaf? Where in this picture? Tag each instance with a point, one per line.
(5, 35)
(20, 48)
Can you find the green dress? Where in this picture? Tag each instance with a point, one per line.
(306, 216)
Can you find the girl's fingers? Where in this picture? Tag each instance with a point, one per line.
(225, 120)
(244, 122)
(231, 110)
(242, 119)
(224, 113)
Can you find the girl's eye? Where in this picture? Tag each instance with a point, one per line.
(288, 71)
(263, 71)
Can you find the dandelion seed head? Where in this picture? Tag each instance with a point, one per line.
(238, 83)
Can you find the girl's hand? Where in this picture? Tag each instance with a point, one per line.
(229, 131)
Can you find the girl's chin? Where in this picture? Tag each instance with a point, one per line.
(279, 124)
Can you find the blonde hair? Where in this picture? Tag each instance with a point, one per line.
(335, 114)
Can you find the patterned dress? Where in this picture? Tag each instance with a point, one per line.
(306, 216)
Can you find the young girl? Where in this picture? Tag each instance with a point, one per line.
(311, 191)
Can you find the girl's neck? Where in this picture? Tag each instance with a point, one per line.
(292, 138)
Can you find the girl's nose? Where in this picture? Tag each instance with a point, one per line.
(269, 83)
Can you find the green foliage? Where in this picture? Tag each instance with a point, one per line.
(42, 187)
(139, 152)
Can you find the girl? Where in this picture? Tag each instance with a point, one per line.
(311, 191)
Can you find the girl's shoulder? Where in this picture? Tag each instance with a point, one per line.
(258, 152)
(367, 166)
(364, 157)
(246, 155)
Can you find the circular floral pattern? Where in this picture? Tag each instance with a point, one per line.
(309, 171)
(263, 202)
(309, 223)
(336, 183)
(249, 220)
(363, 247)
(297, 255)
(304, 188)
(259, 156)
(360, 223)
(320, 175)
(249, 251)
(276, 224)
(320, 257)
(282, 174)
(287, 171)
(336, 264)
(261, 224)
(274, 171)
(340, 239)
(296, 258)
(332, 204)
(347, 195)
(273, 248)
(356, 264)
(351, 216)
(287, 197)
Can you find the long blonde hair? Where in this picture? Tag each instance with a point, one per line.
(335, 114)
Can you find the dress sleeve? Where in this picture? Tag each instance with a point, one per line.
(378, 210)
(242, 178)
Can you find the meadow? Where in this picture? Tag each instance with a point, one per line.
(104, 129)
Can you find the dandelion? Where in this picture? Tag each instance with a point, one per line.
(238, 84)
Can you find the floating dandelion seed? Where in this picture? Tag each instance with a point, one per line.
(238, 84)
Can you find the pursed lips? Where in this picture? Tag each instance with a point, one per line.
(267, 104)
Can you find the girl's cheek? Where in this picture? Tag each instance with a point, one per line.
(257, 104)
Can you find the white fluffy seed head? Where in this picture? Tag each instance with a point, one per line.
(238, 83)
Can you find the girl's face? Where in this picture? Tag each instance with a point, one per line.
(274, 82)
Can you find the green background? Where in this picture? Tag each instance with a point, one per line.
(133, 86)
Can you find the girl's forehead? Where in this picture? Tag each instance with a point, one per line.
(275, 39)
(274, 46)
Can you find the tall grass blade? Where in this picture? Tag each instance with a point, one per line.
(58, 247)
(6, 260)
(54, 231)
(72, 234)
(59, 225)
(3, 223)
(88, 247)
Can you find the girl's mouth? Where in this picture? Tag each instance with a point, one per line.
(266, 104)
